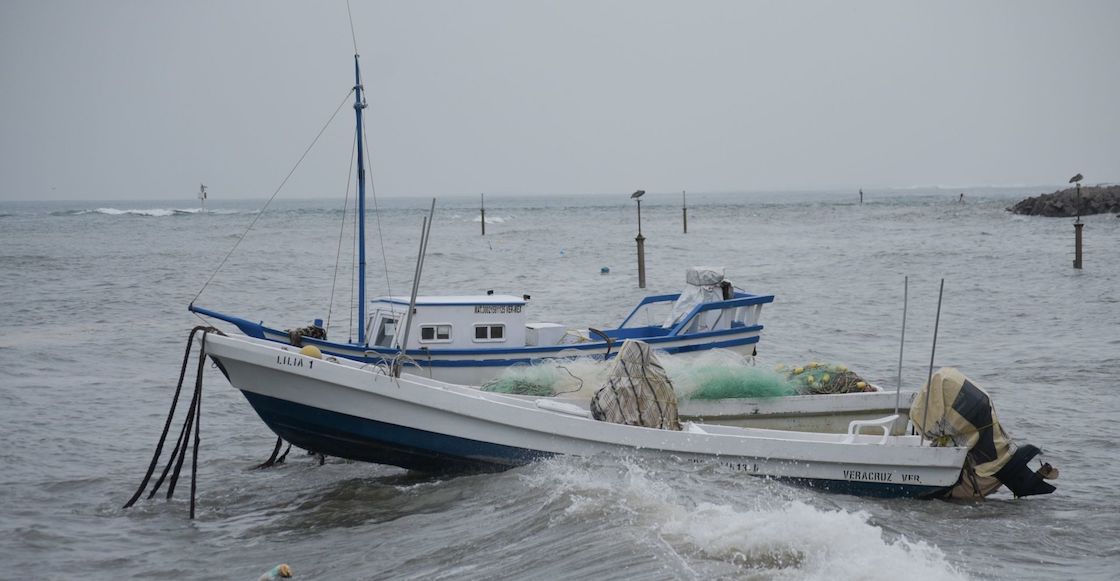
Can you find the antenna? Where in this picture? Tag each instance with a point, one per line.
(902, 342)
(929, 378)
(425, 232)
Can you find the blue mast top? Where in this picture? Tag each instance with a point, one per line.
(359, 104)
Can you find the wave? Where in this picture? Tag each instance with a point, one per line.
(761, 533)
(149, 212)
(494, 219)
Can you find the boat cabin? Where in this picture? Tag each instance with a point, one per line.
(460, 322)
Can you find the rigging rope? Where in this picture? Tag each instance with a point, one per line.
(273, 197)
(342, 227)
(376, 210)
(353, 37)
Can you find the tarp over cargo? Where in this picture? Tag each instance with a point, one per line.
(637, 391)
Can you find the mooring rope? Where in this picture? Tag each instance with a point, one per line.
(276, 457)
(190, 434)
(170, 416)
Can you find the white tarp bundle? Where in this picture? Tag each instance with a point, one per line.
(703, 287)
(637, 391)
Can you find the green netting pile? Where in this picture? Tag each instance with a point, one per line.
(821, 378)
(538, 380)
(704, 379)
(740, 382)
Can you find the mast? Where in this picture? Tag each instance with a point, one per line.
(360, 104)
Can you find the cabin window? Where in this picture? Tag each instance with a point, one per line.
(435, 333)
(386, 330)
(489, 333)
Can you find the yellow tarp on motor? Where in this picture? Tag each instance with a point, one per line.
(953, 411)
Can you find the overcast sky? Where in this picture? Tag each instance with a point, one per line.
(144, 100)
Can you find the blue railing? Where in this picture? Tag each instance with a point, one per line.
(741, 300)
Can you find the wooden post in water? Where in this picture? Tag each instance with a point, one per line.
(641, 240)
(1077, 244)
(1077, 225)
(483, 209)
(684, 211)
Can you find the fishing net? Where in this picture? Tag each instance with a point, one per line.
(716, 375)
(543, 380)
(740, 382)
(820, 378)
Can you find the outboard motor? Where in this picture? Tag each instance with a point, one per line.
(952, 411)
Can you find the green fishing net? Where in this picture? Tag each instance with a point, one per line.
(538, 380)
(711, 380)
(740, 382)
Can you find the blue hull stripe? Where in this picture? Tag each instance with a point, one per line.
(346, 436)
(354, 438)
(455, 363)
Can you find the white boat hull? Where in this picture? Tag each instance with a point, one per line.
(344, 409)
(804, 413)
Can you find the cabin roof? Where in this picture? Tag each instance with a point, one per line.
(456, 300)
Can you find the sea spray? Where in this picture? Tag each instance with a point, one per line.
(767, 529)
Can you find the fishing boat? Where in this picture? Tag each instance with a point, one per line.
(471, 338)
(344, 408)
(355, 401)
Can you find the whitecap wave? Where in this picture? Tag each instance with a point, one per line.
(762, 534)
(494, 219)
(147, 212)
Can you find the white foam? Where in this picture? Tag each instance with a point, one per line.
(758, 532)
(797, 541)
(135, 212)
(494, 219)
(155, 212)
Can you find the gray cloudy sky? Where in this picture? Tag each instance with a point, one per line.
(143, 100)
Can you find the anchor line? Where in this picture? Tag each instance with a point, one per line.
(276, 457)
(190, 435)
(170, 416)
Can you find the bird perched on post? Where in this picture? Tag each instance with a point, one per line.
(1076, 178)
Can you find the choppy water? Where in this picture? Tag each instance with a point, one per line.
(94, 300)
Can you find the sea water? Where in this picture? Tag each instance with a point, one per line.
(94, 296)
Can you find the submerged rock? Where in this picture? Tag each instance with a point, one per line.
(1064, 203)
